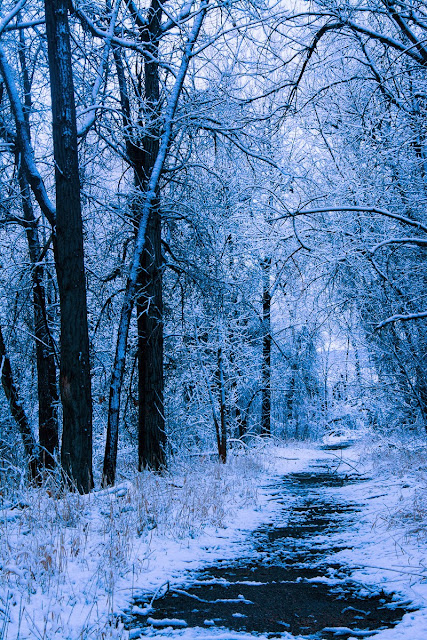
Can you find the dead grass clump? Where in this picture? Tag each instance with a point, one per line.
(404, 458)
(62, 556)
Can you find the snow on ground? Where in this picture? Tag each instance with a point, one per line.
(389, 542)
(69, 564)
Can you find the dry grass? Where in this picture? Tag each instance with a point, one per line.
(62, 557)
(403, 458)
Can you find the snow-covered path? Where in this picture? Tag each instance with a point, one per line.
(72, 567)
(318, 570)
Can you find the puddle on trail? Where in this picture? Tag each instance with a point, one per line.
(340, 445)
(285, 584)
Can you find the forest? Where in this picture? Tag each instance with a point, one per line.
(212, 231)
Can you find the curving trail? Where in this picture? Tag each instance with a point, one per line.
(290, 585)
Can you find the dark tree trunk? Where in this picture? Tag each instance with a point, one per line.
(151, 423)
(75, 383)
(111, 442)
(148, 198)
(17, 410)
(149, 302)
(235, 410)
(222, 440)
(45, 352)
(240, 423)
(266, 350)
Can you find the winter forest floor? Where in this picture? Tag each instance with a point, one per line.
(288, 540)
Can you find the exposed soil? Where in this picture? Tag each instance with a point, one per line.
(286, 584)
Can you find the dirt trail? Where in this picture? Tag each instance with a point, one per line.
(289, 582)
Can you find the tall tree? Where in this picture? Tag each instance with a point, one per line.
(266, 349)
(148, 199)
(75, 381)
(44, 345)
(76, 454)
(149, 303)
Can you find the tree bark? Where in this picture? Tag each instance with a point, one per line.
(149, 302)
(222, 440)
(149, 307)
(75, 382)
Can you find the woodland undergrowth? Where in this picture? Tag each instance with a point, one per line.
(64, 556)
(401, 457)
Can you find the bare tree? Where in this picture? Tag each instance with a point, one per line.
(151, 184)
(66, 221)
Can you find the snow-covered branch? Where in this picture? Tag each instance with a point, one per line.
(9, 17)
(418, 242)
(402, 317)
(90, 119)
(23, 141)
(382, 212)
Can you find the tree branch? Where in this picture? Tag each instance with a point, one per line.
(419, 242)
(24, 144)
(402, 317)
(382, 212)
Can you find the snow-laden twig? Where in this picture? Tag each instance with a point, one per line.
(158, 590)
(406, 573)
(367, 209)
(16, 9)
(403, 317)
(91, 112)
(418, 242)
(24, 143)
(9, 17)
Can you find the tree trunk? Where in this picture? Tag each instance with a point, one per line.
(45, 353)
(45, 350)
(149, 306)
(238, 417)
(75, 383)
(266, 350)
(149, 197)
(17, 410)
(222, 441)
(149, 302)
